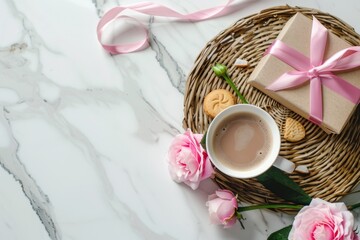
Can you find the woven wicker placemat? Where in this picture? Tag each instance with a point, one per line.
(333, 160)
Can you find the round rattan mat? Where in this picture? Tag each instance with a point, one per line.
(333, 160)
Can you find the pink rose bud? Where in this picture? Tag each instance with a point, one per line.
(322, 220)
(222, 208)
(188, 161)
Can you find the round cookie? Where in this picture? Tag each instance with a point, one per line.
(217, 100)
(294, 131)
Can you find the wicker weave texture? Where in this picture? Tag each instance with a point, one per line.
(333, 160)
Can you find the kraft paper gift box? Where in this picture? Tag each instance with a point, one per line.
(336, 109)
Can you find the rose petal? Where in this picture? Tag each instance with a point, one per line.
(322, 220)
(214, 219)
(225, 211)
(198, 137)
(323, 232)
(188, 162)
(211, 197)
(354, 237)
(214, 204)
(234, 203)
(230, 222)
(191, 165)
(225, 194)
(193, 185)
(208, 169)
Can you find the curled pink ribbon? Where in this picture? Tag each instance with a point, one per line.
(316, 71)
(153, 9)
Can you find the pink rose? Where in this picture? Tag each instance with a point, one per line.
(322, 220)
(188, 161)
(222, 208)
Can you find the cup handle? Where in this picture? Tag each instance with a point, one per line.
(284, 164)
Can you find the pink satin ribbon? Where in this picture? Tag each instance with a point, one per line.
(315, 70)
(153, 9)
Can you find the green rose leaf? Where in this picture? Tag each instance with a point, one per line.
(280, 184)
(282, 234)
(203, 141)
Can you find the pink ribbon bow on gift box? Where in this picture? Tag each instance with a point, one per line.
(315, 70)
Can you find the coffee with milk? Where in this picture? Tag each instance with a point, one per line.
(242, 141)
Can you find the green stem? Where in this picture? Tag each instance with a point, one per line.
(352, 207)
(220, 70)
(232, 85)
(268, 206)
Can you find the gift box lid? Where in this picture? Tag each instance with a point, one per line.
(296, 34)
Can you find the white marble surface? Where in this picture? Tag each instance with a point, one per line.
(84, 134)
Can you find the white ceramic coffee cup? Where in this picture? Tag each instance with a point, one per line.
(271, 158)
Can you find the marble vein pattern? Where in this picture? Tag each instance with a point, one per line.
(84, 134)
